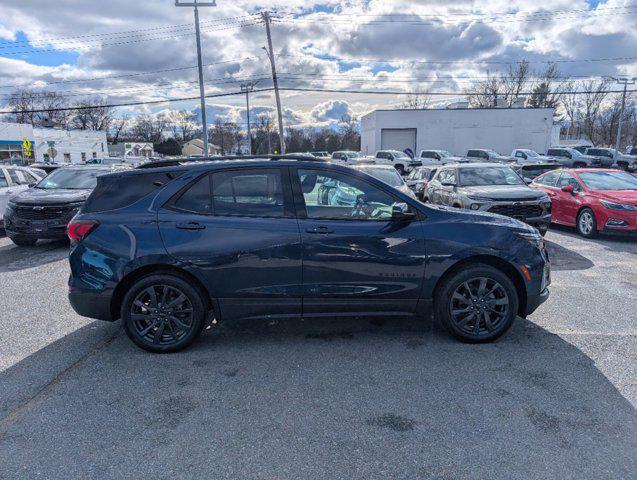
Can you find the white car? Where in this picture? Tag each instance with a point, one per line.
(13, 180)
(387, 174)
(347, 156)
(399, 160)
(439, 157)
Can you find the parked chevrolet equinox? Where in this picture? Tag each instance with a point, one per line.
(169, 249)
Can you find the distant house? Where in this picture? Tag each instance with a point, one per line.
(195, 147)
(131, 149)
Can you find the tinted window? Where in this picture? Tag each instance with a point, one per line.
(556, 153)
(472, 153)
(549, 179)
(427, 155)
(251, 192)
(337, 196)
(197, 198)
(118, 191)
(568, 179)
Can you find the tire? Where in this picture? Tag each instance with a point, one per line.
(21, 241)
(586, 223)
(471, 325)
(400, 169)
(150, 327)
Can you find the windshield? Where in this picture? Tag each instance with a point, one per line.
(609, 180)
(398, 154)
(352, 154)
(472, 177)
(388, 175)
(531, 153)
(573, 152)
(444, 153)
(493, 153)
(71, 178)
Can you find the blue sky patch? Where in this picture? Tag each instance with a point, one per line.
(41, 55)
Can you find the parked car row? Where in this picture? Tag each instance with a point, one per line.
(593, 200)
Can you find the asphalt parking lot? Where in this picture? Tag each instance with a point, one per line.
(554, 398)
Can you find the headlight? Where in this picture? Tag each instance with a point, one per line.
(479, 199)
(533, 238)
(617, 206)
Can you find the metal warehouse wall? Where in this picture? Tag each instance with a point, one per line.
(458, 130)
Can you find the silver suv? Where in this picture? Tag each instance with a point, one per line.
(492, 188)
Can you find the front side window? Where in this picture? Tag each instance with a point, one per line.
(519, 154)
(333, 195)
(568, 180)
(253, 192)
(549, 179)
(447, 176)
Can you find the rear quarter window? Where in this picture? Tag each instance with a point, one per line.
(114, 192)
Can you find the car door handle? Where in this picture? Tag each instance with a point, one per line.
(190, 226)
(320, 230)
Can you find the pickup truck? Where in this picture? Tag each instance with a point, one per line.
(440, 156)
(571, 158)
(399, 160)
(489, 156)
(610, 156)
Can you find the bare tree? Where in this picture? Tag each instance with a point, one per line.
(415, 101)
(38, 108)
(92, 114)
(149, 128)
(549, 89)
(119, 126)
(595, 94)
(484, 94)
(513, 83)
(183, 124)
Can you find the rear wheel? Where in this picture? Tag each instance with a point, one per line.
(586, 223)
(163, 313)
(21, 241)
(477, 304)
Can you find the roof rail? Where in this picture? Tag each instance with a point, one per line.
(183, 161)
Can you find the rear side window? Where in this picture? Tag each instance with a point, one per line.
(254, 192)
(197, 198)
(115, 191)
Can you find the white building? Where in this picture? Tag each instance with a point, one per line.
(458, 130)
(21, 143)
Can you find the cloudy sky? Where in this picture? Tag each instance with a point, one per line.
(146, 48)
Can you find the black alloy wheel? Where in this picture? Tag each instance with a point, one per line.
(477, 304)
(163, 313)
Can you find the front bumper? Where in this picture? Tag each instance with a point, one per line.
(37, 229)
(534, 301)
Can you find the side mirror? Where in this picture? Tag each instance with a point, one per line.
(400, 212)
(568, 189)
(528, 181)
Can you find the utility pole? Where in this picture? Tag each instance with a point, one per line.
(247, 88)
(275, 81)
(202, 92)
(625, 82)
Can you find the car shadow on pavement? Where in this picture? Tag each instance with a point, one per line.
(338, 398)
(563, 258)
(13, 258)
(615, 243)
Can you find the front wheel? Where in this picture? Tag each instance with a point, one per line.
(163, 313)
(586, 223)
(477, 304)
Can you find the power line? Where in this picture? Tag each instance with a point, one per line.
(454, 94)
(128, 42)
(125, 32)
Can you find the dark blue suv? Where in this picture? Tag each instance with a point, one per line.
(168, 249)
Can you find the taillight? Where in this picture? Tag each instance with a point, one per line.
(80, 229)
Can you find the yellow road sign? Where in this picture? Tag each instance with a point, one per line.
(26, 144)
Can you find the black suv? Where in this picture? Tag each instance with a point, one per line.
(169, 249)
(44, 211)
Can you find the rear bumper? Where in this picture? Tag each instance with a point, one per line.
(91, 305)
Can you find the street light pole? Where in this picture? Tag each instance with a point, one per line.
(247, 88)
(202, 92)
(625, 82)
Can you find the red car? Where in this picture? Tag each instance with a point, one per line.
(592, 199)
